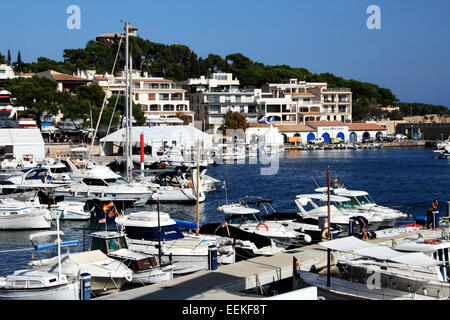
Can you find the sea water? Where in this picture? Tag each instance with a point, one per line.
(407, 179)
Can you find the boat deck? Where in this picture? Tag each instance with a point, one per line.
(229, 281)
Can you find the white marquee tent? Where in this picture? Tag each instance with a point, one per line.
(181, 136)
(23, 142)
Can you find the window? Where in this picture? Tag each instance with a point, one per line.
(137, 96)
(151, 96)
(94, 182)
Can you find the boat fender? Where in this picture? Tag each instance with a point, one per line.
(190, 184)
(325, 235)
(433, 241)
(262, 224)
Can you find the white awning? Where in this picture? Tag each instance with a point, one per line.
(366, 249)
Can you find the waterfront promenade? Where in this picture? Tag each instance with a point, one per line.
(229, 281)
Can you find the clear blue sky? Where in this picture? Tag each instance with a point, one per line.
(410, 54)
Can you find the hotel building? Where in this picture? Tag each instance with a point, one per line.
(211, 98)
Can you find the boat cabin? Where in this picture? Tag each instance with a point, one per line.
(308, 202)
(239, 215)
(114, 245)
(26, 279)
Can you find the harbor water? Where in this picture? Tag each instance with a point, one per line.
(407, 179)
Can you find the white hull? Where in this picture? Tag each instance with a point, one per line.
(70, 211)
(176, 195)
(69, 291)
(25, 220)
(155, 275)
(84, 195)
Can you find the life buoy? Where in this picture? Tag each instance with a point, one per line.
(433, 241)
(262, 224)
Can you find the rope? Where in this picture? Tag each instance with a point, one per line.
(104, 100)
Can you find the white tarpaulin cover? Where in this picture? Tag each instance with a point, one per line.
(159, 133)
(24, 141)
(366, 249)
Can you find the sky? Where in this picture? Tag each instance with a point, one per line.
(409, 53)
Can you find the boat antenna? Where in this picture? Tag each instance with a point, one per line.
(315, 182)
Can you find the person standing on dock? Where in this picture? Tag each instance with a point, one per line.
(433, 207)
(363, 222)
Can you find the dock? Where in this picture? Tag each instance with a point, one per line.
(229, 282)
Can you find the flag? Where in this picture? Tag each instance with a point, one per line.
(224, 184)
(102, 220)
(224, 224)
(110, 209)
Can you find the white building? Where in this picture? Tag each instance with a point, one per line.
(211, 98)
(23, 142)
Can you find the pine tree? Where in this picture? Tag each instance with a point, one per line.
(19, 62)
(8, 61)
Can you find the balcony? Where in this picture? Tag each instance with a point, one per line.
(329, 90)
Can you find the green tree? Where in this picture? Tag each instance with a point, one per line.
(186, 119)
(234, 121)
(9, 58)
(38, 95)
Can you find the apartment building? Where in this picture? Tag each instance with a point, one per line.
(297, 102)
(161, 99)
(211, 98)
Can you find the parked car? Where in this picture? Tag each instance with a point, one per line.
(399, 136)
(317, 141)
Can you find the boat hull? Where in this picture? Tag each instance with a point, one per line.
(69, 291)
(25, 221)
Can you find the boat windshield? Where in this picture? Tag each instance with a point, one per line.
(116, 181)
(111, 245)
(59, 170)
(241, 218)
(363, 200)
(344, 204)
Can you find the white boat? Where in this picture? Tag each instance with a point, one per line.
(145, 268)
(348, 290)
(250, 220)
(362, 200)
(20, 215)
(188, 251)
(380, 267)
(104, 184)
(107, 274)
(69, 210)
(341, 210)
(40, 285)
(37, 285)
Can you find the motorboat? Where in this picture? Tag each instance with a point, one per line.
(188, 251)
(99, 183)
(70, 210)
(381, 267)
(290, 220)
(173, 187)
(107, 274)
(146, 269)
(315, 205)
(362, 200)
(40, 285)
(21, 215)
(250, 220)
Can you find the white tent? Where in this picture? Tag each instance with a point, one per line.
(184, 137)
(24, 142)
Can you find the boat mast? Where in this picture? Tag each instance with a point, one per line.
(127, 138)
(130, 119)
(198, 174)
